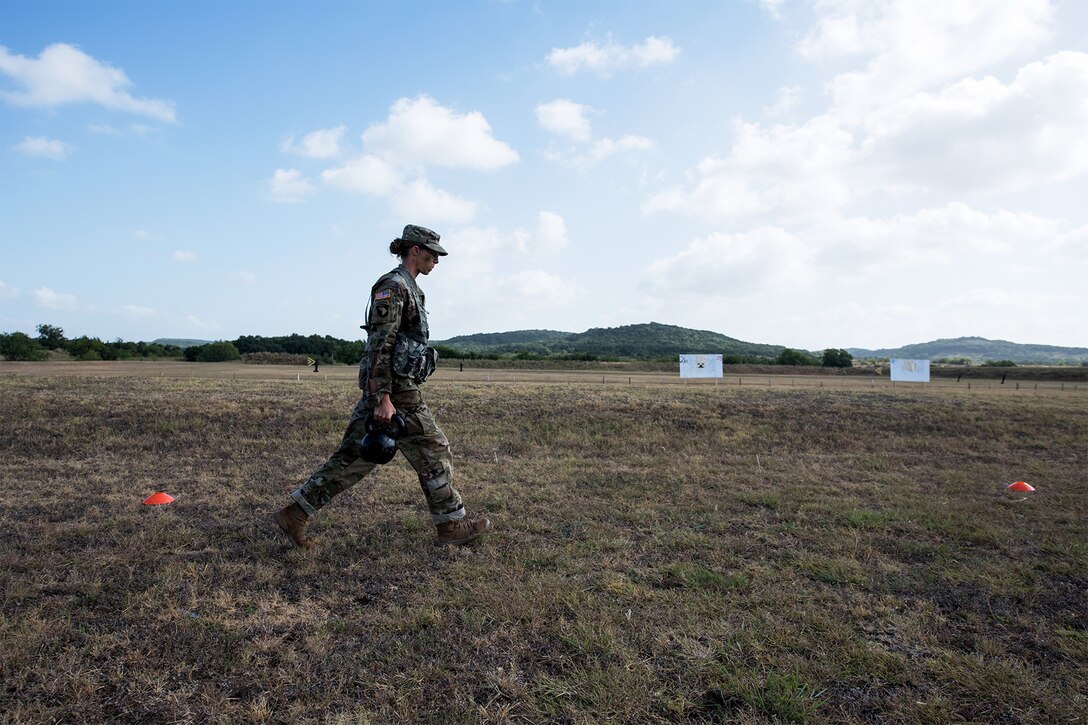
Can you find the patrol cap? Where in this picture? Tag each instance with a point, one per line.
(424, 237)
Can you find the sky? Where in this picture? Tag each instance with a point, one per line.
(808, 173)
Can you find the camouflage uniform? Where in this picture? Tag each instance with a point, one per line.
(396, 344)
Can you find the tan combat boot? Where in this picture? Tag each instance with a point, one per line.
(292, 520)
(462, 531)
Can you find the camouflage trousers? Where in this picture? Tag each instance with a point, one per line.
(422, 443)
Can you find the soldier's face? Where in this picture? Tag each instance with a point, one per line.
(425, 260)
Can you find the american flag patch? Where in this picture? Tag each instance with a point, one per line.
(383, 295)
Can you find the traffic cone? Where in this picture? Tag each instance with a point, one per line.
(157, 499)
(1020, 486)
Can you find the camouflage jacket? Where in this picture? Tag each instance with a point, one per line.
(396, 328)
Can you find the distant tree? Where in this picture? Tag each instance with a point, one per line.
(350, 353)
(837, 358)
(51, 337)
(449, 353)
(789, 356)
(999, 364)
(954, 361)
(20, 346)
(89, 348)
(213, 352)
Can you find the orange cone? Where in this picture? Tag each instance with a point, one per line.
(157, 499)
(1020, 486)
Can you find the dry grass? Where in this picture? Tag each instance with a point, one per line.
(662, 553)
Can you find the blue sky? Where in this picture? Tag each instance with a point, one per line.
(814, 174)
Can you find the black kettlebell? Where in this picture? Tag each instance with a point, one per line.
(380, 442)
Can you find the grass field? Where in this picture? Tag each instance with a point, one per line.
(662, 552)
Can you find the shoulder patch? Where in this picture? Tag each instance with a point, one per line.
(383, 295)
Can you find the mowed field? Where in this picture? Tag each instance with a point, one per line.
(661, 552)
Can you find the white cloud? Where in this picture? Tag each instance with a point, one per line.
(139, 312)
(142, 129)
(184, 256)
(909, 121)
(51, 300)
(422, 132)
(475, 247)
(551, 235)
(788, 98)
(417, 134)
(288, 186)
(565, 117)
(861, 247)
(245, 277)
(610, 57)
(732, 265)
(104, 129)
(536, 286)
(419, 200)
(200, 324)
(1072, 244)
(41, 146)
(605, 147)
(600, 150)
(914, 44)
(474, 250)
(64, 74)
(132, 129)
(366, 174)
(7, 292)
(785, 170)
(146, 235)
(982, 133)
(773, 8)
(900, 257)
(321, 144)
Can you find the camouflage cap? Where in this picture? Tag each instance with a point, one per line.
(424, 237)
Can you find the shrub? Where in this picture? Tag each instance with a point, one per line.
(89, 348)
(837, 358)
(212, 352)
(273, 358)
(20, 346)
(51, 337)
(789, 356)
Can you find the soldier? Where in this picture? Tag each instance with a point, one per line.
(396, 360)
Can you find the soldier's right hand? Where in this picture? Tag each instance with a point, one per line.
(385, 410)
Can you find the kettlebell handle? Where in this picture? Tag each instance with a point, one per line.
(394, 427)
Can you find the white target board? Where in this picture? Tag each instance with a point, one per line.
(700, 366)
(911, 371)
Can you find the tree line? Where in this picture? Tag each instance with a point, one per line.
(20, 346)
(325, 349)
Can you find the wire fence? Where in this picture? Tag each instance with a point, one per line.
(345, 374)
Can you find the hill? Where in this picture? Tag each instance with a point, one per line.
(179, 341)
(979, 349)
(635, 341)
